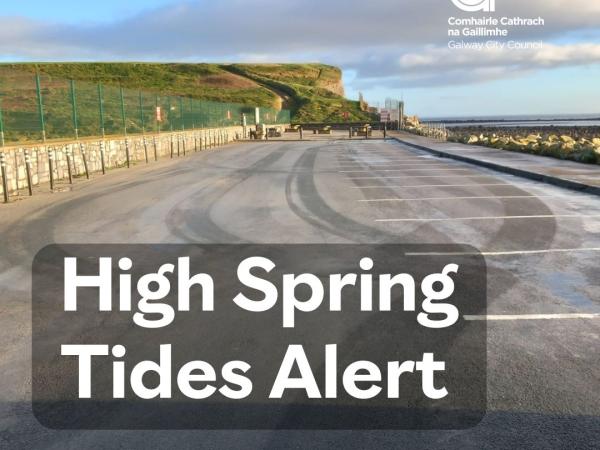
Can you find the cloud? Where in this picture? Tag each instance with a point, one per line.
(384, 41)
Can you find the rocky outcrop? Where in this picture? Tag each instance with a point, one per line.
(563, 146)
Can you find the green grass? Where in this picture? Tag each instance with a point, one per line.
(310, 91)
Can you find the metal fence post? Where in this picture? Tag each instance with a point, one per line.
(51, 168)
(84, 157)
(4, 180)
(155, 149)
(1, 124)
(145, 148)
(68, 153)
(40, 105)
(156, 115)
(127, 152)
(124, 123)
(102, 157)
(123, 118)
(74, 109)
(101, 108)
(142, 113)
(28, 172)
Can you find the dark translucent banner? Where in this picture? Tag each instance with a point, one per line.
(259, 337)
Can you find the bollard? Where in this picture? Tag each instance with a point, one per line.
(155, 149)
(84, 158)
(4, 180)
(301, 133)
(51, 167)
(350, 132)
(145, 149)
(68, 153)
(172, 149)
(102, 158)
(366, 133)
(195, 142)
(127, 152)
(28, 172)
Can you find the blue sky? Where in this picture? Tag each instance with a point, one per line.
(392, 48)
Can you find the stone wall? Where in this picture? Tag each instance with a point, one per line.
(152, 146)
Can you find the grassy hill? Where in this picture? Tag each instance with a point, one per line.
(313, 92)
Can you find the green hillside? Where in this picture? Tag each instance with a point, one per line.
(313, 92)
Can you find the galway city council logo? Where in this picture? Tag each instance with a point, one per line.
(476, 5)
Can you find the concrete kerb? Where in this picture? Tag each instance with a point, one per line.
(530, 175)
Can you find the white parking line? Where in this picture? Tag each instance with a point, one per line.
(381, 161)
(399, 170)
(421, 176)
(531, 317)
(410, 170)
(458, 219)
(509, 253)
(441, 185)
(378, 167)
(502, 197)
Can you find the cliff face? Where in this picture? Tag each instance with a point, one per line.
(313, 92)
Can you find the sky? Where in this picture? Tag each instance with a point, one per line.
(386, 48)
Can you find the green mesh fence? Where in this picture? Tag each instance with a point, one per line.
(40, 107)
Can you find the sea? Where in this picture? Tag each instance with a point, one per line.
(564, 120)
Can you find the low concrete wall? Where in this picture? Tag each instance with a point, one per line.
(156, 146)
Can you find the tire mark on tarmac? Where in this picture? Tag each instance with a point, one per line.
(201, 225)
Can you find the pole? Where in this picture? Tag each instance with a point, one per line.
(102, 157)
(350, 132)
(1, 126)
(156, 115)
(127, 152)
(384, 131)
(101, 109)
(84, 157)
(68, 153)
(145, 148)
(51, 167)
(142, 114)
(181, 113)
(28, 172)
(4, 180)
(123, 118)
(155, 149)
(74, 109)
(40, 103)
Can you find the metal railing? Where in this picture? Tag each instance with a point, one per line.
(37, 108)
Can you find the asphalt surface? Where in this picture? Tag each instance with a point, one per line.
(542, 246)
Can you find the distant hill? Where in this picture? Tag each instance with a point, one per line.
(313, 92)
